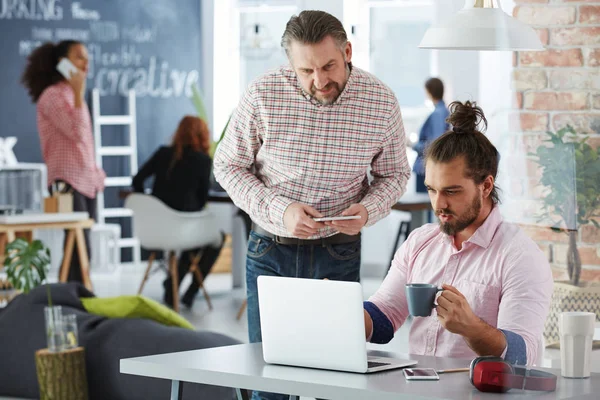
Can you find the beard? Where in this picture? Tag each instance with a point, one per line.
(460, 223)
(336, 91)
(329, 98)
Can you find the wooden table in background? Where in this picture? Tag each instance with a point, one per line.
(23, 225)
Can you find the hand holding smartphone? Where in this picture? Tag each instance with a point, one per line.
(323, 219)
(75, 77)
(66, 68)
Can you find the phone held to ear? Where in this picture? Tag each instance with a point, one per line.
(421, 374)
(66, 68)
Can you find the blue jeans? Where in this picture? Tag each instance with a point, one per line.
(265, 257)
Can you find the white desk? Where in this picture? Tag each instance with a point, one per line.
(74, 223)
(43, 218)
(242, 366)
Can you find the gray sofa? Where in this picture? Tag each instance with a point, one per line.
(106, 341)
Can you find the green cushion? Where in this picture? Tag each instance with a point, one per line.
(134, 307)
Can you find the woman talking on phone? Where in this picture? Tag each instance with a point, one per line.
(64, 125)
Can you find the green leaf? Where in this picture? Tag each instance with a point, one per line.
(199, 103)
(26, 264)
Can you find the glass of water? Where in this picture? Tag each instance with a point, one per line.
(54, 328)
(70, 331)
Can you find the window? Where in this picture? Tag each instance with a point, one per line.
(260, 36)
(395, 58)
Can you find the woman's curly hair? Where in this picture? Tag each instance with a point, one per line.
(40, 71)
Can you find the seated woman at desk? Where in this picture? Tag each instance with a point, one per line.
(181, 180)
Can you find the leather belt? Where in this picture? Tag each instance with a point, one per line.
(338, 238)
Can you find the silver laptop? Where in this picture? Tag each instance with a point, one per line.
(318, 324)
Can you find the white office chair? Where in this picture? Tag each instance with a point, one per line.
(159, 227)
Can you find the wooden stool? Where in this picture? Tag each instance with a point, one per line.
(62, 375)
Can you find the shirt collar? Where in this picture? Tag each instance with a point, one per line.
(485, 233)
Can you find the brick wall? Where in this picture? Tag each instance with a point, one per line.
(552, 88)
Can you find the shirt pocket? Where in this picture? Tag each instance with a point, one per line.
(483, 299)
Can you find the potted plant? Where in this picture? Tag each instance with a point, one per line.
(203, 114)
(571, 177)
(26, 265)
(61, 373)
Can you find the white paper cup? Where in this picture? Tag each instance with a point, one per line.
(576, 334)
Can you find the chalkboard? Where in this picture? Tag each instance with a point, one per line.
(151, 46)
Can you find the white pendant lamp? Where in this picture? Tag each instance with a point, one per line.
(481, 26)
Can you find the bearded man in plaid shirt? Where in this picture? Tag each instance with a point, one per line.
(299, 146)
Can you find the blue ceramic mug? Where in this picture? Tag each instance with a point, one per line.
(421, 298)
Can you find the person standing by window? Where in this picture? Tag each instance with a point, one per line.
(434, 127)
(65, 128)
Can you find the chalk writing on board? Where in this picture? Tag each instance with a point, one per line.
(125, 56)
(41, 33)
(78, 12)
(147, 80)
(139, 34)
(27, 46)
(104, 31)
(46, 10)
(81, 35)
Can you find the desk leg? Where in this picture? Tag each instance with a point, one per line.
(176, 390)
(10, 236)
(66, 264)
(84, 260)
(242, 394)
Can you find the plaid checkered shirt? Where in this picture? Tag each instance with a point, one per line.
(282, 146)
(67, 141)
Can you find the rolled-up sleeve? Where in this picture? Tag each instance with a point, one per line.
(234, 161)
(390, 298)
(390, 170)
(525, 299)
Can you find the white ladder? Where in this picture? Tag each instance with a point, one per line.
(129, 151)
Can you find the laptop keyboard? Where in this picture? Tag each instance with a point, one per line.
(373, 364)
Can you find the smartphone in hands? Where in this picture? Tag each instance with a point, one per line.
(66, 68)
(323, 219)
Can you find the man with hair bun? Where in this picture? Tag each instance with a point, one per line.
(496, 282)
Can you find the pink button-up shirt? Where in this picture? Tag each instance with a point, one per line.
(67, 141)
(502, 273)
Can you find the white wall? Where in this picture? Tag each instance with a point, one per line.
(208, 53)
(458, 69)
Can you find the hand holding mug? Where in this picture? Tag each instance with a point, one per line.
(454, 312)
